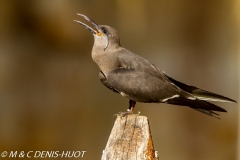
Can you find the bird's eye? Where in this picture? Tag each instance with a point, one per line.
(104, 31)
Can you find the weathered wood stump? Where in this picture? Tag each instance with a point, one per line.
(130, 139)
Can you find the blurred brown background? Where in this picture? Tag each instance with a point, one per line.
(51, 98)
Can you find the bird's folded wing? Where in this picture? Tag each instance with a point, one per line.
(141, 86)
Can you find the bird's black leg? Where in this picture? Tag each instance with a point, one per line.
(130, 109)
(131, 106)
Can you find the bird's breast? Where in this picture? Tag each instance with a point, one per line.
(105, 62)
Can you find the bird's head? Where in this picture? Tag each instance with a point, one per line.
(104, 36)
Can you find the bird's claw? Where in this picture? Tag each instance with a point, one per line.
(123, 114)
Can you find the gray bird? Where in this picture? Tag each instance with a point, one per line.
(139, 80)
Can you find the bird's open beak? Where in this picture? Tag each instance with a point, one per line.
(95, 30)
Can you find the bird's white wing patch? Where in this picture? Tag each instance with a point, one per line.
(192, 98)
(166, 99)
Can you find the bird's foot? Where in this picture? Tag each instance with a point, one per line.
(122, 114)
(129, 112)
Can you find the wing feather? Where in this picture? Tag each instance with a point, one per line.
(141, 86)
(200, 93)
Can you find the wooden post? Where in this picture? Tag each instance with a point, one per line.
(130, 139)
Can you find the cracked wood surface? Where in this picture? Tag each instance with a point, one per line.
(130, 139)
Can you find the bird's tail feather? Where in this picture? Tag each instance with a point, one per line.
(199, 105)
(209, 96)
(210, 113)
(200, 93)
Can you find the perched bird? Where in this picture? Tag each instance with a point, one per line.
(139, 80)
